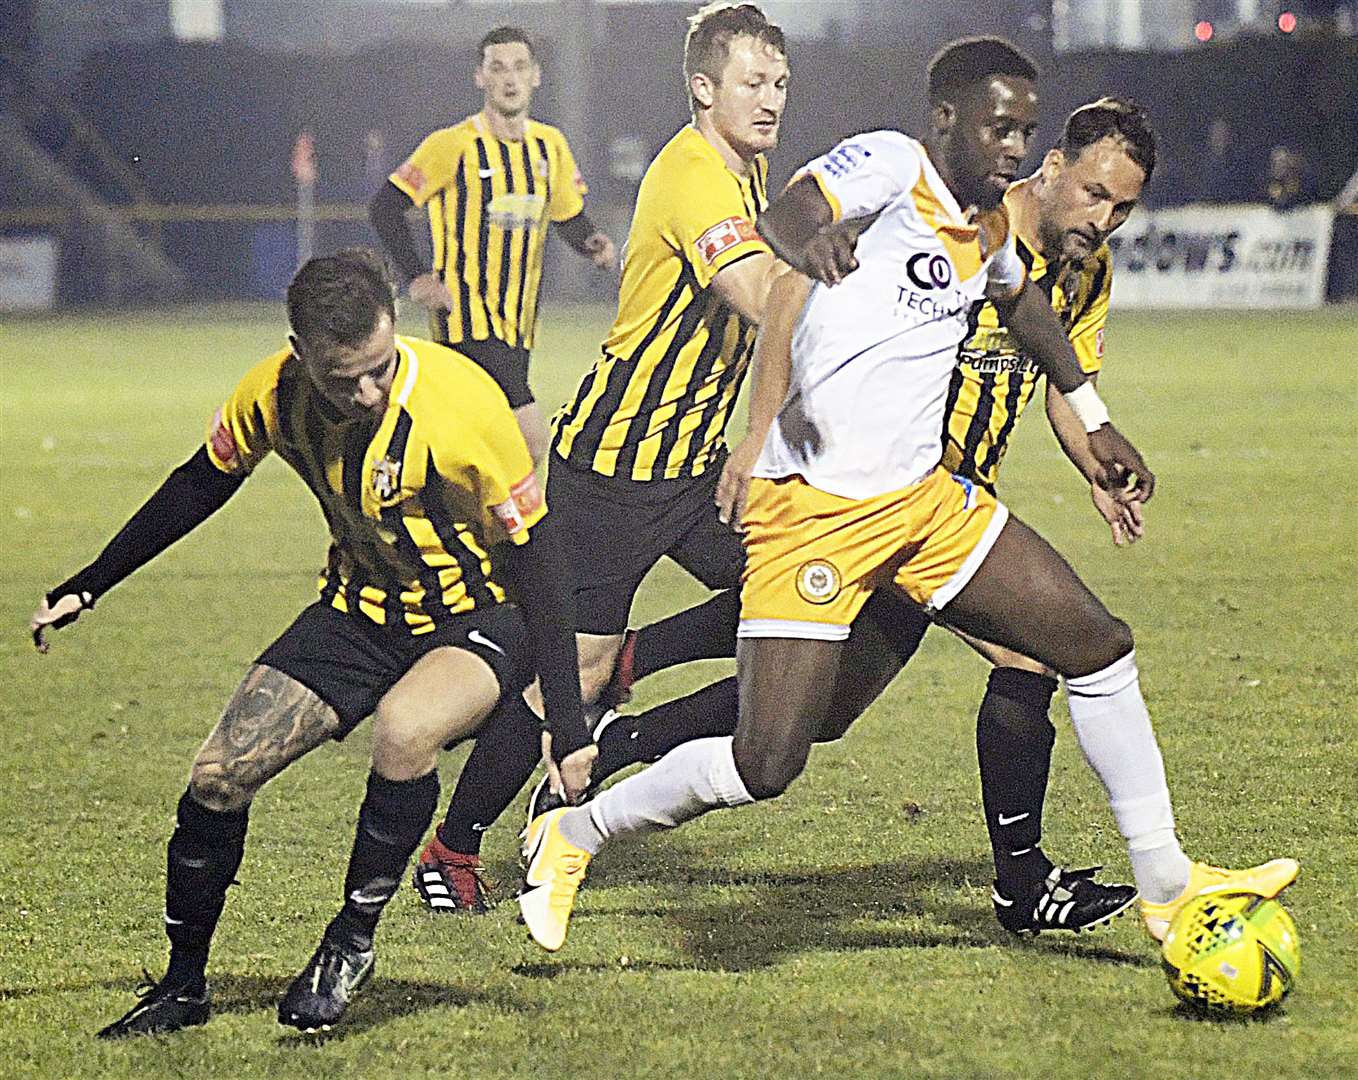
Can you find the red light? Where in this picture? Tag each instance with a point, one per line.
(1287, 22)
(1203, 31)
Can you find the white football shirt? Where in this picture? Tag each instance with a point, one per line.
(872, 356)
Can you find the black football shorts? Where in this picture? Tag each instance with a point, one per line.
(614, 531)
(506, 364)
(349, 661)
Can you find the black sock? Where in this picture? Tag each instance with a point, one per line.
(391, 823)
(706, 631)
(649, 736)
(1014, 738)
(508, 749)
(201, 861)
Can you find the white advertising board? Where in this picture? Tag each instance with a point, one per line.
(1233, 256)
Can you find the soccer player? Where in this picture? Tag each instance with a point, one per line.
(849, 495)
(491, 185)
(638, 450)
(1060, 217)
(434, 513)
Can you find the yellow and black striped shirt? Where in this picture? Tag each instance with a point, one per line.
(415, 499)
(655, 405)
(994, 381)
(490, 202)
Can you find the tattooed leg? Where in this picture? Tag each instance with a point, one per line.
(270, 722)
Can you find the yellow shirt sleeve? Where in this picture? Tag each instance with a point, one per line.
(483, 448)
(432, 166)
(242, 431)
(568, 187)
(1086, 336)
(707, 222)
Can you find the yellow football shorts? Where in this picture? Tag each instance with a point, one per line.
(813, 559)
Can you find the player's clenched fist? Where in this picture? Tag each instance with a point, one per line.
(429, 291)
(1124, 468)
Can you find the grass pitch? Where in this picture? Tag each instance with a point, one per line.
(842, 930)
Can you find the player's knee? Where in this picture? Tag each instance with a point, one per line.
(1110, 644)
(223, 786)
(1118, 640)
(402, 751)
(770, 773)
(835, 724)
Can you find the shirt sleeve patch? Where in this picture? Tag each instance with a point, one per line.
(526, 495)
(522, 506)
(224, 443)
(411, 175)
(723, 236)
(1098, 342)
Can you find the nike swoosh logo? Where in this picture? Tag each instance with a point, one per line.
(532, 858)
(481, 639)
(485, 174)
(173, 922)
(1010, 820)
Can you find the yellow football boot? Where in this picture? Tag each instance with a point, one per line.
(1266, 880)
(555, 869)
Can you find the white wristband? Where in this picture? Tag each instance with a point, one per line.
(1088, 407)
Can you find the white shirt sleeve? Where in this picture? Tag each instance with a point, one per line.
(865, 172)
(1006, 271)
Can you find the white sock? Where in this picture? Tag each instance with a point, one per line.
(1114, 731)
(686, 783)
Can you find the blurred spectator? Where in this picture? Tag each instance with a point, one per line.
(375, 165)
(1225, 175)
(1288, 182)
(1211, 168)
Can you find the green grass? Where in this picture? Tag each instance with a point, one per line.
(836, 931)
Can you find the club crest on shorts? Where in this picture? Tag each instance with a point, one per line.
(817, 581)
(386, 480)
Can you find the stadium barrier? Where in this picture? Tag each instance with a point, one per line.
(1200, 256)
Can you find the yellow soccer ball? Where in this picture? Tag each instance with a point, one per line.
(1231, 954)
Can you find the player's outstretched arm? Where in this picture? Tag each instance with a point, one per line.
(1040, 334)
(540, 577)
(770, 377)
(188, 497)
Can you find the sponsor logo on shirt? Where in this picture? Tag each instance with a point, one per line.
(513, 211)
(723, 236)
(929, 271)
(996, 363)
(845, 158)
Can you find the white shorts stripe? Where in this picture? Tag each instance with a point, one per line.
(791, 628)
(955, 584)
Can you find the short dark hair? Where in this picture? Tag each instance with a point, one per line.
(504, 35)
(713, 27)
(1111, 118)
(970, 60)
(338, 299)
